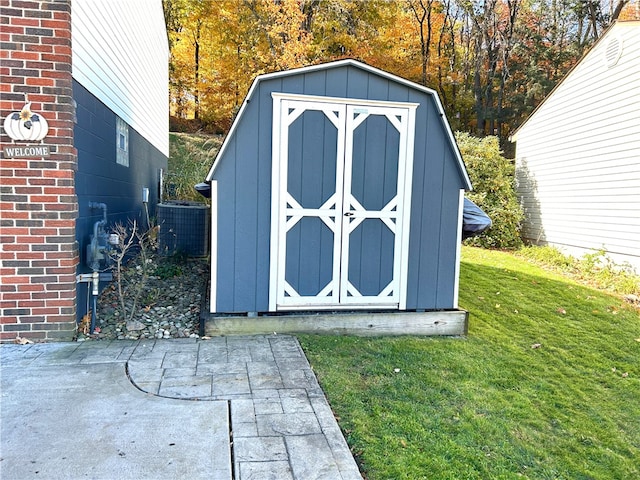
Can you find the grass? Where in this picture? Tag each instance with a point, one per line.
(595, 268)
(545, 386)
(191, 156)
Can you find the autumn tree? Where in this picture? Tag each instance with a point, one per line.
(491, 61)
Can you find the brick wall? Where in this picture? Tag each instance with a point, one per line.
(38, 204)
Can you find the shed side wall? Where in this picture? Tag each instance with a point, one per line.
(578, 166)
(434, 214)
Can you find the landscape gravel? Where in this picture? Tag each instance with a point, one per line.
(169, 307)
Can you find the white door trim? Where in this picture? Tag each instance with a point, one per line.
(286, 212)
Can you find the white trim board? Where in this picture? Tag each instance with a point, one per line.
(214, 248)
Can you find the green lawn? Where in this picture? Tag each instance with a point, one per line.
(545, 386)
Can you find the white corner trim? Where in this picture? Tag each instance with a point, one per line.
(456, 280)
(214, 247)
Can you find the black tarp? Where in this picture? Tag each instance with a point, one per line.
(474, 220)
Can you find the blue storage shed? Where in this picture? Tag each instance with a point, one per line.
(339, 189)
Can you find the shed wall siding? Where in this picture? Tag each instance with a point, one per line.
(578, 160)
(243, 176)
(124, 69)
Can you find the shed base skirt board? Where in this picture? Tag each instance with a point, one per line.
(429, 323)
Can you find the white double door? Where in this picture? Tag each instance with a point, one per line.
(340, 203)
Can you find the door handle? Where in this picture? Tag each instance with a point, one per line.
(348, 214)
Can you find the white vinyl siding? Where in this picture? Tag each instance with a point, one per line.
(121, 54)
(578, 156)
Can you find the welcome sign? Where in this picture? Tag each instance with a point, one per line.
(26, 152)
(26, 126)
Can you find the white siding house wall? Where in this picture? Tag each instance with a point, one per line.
(578, 154)
(120, 53)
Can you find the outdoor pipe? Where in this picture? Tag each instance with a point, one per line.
(95, 264)
(96, 227)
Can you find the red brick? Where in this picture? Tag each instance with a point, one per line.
(62, 223)
(29, 172)
(59, 191)
(62, 33)
(15, 247)
(7, 29)
(27, 22)
(55, 24)
(43, 231)
(60, 287)
(6, 180)
(20, 55)
(12, 79)
(45, 311)
(17, 296)
(52, 57)
(62, 49)
(44, 198)
(60, 207)
(73, 262)
(15, 215)
(58, 173)
(41, 82)
(67, 293)
(49, 296)
(16, 231)
(61, 15)
(30, 240)
(39, 66)
(57, 255)
(54, 74)
(15, 280)
(8, 164)
(42, 181)
(30, 256)
(42, 98)
(28, 190)
(32, 304)
(31, 47)
(61, 303)
(31, 287)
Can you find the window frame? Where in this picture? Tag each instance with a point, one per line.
(122, 142)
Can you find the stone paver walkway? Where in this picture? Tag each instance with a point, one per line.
(280, 424)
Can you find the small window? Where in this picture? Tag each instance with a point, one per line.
(122, 142)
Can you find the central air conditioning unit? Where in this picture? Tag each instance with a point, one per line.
(183, 228)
